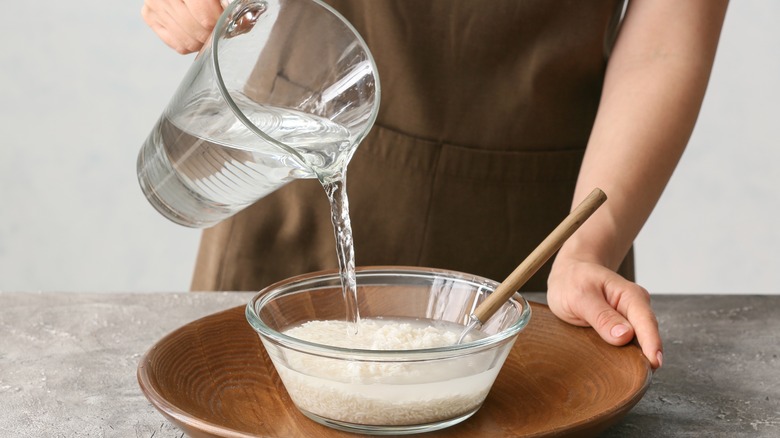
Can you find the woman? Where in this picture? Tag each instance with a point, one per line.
(496, 117)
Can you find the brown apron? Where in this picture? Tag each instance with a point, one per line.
(485, 114)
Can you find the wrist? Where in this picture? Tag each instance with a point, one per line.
(589, 246)
(581, 252)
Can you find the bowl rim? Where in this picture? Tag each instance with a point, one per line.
(281, 287)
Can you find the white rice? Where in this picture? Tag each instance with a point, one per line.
(384, 393)
(376, 334)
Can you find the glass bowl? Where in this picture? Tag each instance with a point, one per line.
(387, 391)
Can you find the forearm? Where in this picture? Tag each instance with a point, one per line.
(653, 90)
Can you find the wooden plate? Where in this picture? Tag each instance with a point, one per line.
(212, 377)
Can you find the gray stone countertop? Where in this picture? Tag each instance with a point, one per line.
(68, 364)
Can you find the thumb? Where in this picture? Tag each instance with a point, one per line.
(608, 322)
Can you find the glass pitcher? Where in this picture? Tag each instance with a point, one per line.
(283, 89)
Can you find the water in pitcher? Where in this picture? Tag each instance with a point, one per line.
(201, 179)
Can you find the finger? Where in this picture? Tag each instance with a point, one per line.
(635, 305)
(183, 32)
(595, 311)
(205, 12)
(169, 31)
(182, 16)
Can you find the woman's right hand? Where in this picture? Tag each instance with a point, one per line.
(184, 25)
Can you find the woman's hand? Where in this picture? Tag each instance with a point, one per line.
(184, 25)
(588, 294)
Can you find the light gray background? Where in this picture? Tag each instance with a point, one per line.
(82, 84)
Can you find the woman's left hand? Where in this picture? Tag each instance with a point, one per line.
(588, 294)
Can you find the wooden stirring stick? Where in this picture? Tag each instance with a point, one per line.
(539, 256)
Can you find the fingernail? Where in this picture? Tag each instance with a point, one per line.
(619, 330)
(660, 357)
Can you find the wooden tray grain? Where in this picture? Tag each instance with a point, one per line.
(213, 378)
